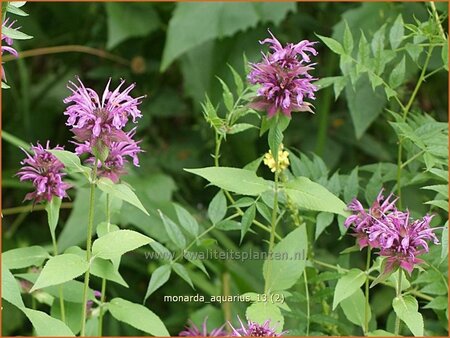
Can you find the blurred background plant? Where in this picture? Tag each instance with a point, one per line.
(174, 51)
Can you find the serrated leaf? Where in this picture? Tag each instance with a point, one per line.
(227, 95)
(348, 39)
(347, 285)
(397, 32)
(406, 308)
(363, 50)
(116, 243)
(158, 278)
(414, 51)
(237, 81)
(397, 75)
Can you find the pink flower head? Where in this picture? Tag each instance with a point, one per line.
(6, 44)
(283, 77)
(114, 165)
(44, 170)
(401, 240)
(192, 330)
(253, 329)
(362, 220)
(100, 119)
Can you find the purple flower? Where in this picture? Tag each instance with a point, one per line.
(253, 329)
(44, 170)
(6, 43)
(114, 165)
(362, 220)
(401, 240)
(283, 78)
(100, 120)
(192, 330)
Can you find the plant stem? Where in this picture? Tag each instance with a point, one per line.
(226, 305)
(307, 302)
(367, 304)
(273, 225)
(60, 288)
(399, 294)
(103, 291)
(88, 248)
(436, 16)
(28, 208)
(405, 115)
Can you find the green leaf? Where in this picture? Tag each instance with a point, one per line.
(351, 187)
(211, 20)
(381, 333)
(260, 312)
(105, 269)
(116, 243)
(397, 32)
(378, 42)
(354, 308)
(288, 261)
(240, 127)
(309, 195)
(181, 271)
(24, 257)
(334, 45)
(227, 95)
(275, 138)
(71, 162)
(52, 209)
(414, 51)
(406, 308)
(444, 54)
(347, 285)
(236, 180)
(374, 186)
(247, 220)
(363, 51)
(187, 221)
(10, 288)
(438, 303)
(60, 269)
(158, 278)
(137, 316)
(348, 39)
(217, 209)
(237, 81)
(47, 326)
(12, 8)
(398, 74)
(130, 20)
(324, 219)
(173, 231)
(339, 85)
(15, 34)
(120, 191)
(444, 241)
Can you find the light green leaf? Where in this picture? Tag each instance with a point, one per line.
(240, 127)
(324, 219)
(173, 231)
(378, 41)
(260, 312)
(354, 308)
(12, 8)
(348, 39)
(406, 308)
(15, 34)
(187, 221)
(398, 74)
(47, 326)
(116, 243)
(129, 20)
(181, 271)
(347, 285)
(444, 54)
(227, 95)
(334, 45)
(247, 220)
(10, 288)
(444, 241)
(236, 180)
(60, 269)
(52, 209)
(275, 138)
(381, 333)
(24, 257)
(217, 209)
(71, 162)
(414, 51)
(363, 50)
(120, 191)
(137, 316)
(158, 278)
(105, 269)
(237, 81)
(397, 32)
(309, 195)
(351, 188)
(288, 261)
(211, 20)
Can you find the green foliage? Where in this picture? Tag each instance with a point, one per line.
(116, 243)
(347, 285)
(406, 308)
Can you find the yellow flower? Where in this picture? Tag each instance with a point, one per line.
(283, 160)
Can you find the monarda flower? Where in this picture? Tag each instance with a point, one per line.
(44, 170)
(113, 167)
(283, 76)
(99, 120)
(362, 220)
(401, 240)
(6, 44)
(192, 330)
(253, 329)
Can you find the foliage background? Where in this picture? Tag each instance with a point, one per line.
(173, 52)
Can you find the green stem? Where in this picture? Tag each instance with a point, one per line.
(308, 315)
(405, 116)
(273, 225)
(436, 16)
(398, 294)
(103, 291)
(367, 304)
(60, 288)
(28, 208)
(193, 242)
(88, 248)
